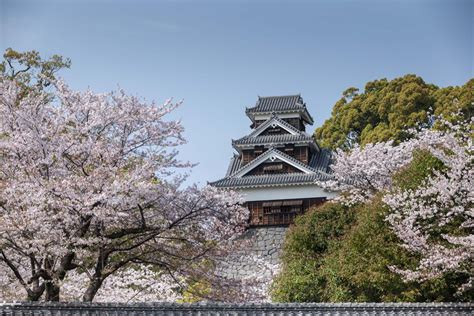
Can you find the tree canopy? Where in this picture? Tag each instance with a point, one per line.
(387, 108)
(29, 69)
(89, 197)
(341, 253)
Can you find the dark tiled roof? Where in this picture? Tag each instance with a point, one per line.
(270, 180)
(274, 139)
(267, 154)
(319, 164)
(271, 120)
(234, 165)
(278, 104)
(246, 309)
(321, 160)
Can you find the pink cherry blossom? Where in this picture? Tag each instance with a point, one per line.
(446, 198)
(89, 190)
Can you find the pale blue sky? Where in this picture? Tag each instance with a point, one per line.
(220, 55)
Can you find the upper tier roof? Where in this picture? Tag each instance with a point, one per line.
(280, 104)
(274, 140)
(294, 135)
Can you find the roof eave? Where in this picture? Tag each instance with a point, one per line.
(264, 185)
(309, 142)
(307, 117)
(236, 147)
(305, 114)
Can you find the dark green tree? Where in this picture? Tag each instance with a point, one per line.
(385, 109)
(306, 243)
(451, 100)
(30, 70)
(340, 254)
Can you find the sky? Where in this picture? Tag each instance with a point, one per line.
(219, 56)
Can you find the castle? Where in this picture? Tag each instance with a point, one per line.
(277, 165)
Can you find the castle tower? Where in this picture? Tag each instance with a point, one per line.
(277, 164)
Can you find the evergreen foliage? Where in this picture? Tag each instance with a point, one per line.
(305, 245)
(337, 253)
(385, 109)
(30, 70)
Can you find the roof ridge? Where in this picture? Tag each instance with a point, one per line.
(264, 156)
(287, 124)
(275, 175)
(280, 96)
(252, 162)
(276, 118)
(295, 160)
(272, 136)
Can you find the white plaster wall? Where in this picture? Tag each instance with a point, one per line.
(286, 192)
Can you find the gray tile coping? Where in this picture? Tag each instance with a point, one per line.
(151, 309)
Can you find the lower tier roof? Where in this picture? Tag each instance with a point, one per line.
(270, 180)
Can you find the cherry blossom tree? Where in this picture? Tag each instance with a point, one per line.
(364, 171)
(134, 284)
(434, 220)
(88, 190)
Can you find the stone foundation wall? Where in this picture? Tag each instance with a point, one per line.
(259, 256)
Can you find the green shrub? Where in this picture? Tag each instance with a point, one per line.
(336, 253)
(305, 245)
(356, 267)
(422, 166)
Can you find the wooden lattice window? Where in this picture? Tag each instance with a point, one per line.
(258, 150)
(273, 168)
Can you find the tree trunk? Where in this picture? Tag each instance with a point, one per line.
(34, 296)
(52, 292)
(92, 289)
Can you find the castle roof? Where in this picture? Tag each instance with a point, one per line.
(274, 139)
(294, 135)
(270, 180)
(274, 120)
(262, 162)
(316, 170)
(272, 155)
(280, 104)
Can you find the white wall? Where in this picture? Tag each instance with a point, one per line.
(286, 192)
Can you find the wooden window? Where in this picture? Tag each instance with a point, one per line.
(273, 131)
(274, 167)
(258, 150)
(292, 203)
(279, 212)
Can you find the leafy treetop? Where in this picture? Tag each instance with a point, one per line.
(385, 109)
(29, 69)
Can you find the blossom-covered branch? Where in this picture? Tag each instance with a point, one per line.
(87, 188)
(434, 220)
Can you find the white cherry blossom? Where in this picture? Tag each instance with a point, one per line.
(88, 190)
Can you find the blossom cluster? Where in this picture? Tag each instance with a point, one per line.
(434, 220)
(88, 191)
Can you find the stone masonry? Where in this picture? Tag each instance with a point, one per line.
(260, 256)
